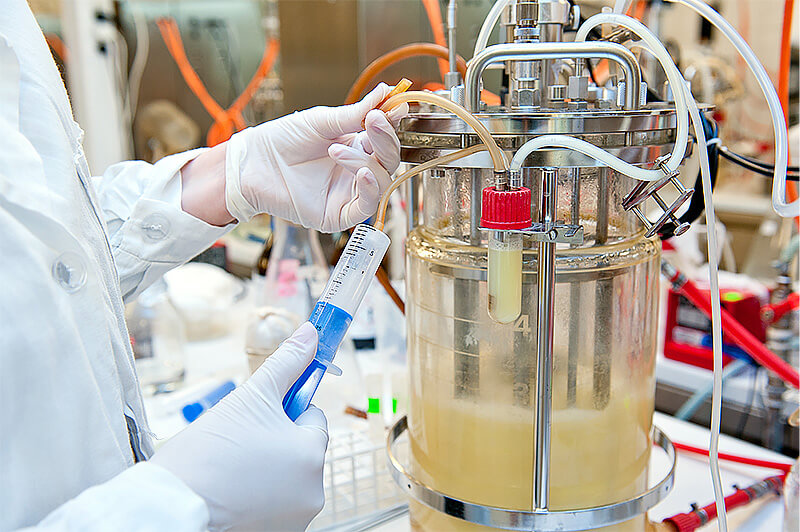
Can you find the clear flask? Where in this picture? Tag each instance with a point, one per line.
(473, 380)
(157, 336)
(297, 269)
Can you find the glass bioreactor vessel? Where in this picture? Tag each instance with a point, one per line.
(531, 345)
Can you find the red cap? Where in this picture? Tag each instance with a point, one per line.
(510, 209)
(685, 522)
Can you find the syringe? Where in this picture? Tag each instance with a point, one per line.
(335, 309)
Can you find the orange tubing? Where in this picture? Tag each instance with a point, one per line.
(601, 69)
(437, 26)
(226, 121)
(398, 54)
(783, 81)
(491, 99)
(222, 131)
(57, 45)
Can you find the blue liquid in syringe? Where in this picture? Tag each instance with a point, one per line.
(331, 323)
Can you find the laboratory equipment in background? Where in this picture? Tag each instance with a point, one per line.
(532, 286)
(193, 410)
(359, 491)
(688, 330)
(791, 499)
(96, 52)
(157, 336)
(334, 311)
(296, 270)
(319, 70)
(573, 262)
(208, 299)
(267, 329)
(232, 49)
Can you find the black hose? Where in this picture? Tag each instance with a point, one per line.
(755, 165)
(697, 204)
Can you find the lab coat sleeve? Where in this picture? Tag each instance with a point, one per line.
(148, 230)
(143, 497)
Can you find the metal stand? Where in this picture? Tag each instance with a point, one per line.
(539, 520)
(544, 344)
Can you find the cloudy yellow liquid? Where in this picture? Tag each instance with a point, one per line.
(504, 279)
(485, 455)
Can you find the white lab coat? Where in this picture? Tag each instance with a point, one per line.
(72, 249)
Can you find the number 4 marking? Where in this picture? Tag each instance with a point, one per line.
(522, 324)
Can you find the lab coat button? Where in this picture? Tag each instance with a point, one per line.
(155, 226)
(69, 270)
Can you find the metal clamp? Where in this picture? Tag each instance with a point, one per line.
(558, 233)
(523, 520)
(555, 50)
(649, 189)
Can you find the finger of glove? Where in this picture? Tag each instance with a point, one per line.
(397, 114)
(333, 122)
(363, 205)
(354, 160)
(361, 142)
(313, 420)
(288, 362)
(383, 140)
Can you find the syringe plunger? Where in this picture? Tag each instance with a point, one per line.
(335, 309)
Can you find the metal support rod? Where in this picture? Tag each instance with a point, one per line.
(601, 364)
(544, 345)
(562, 50)
(413, 205)
(452, 79)
(779, 336)
(466, 367)
(476, 189)
(574, 300)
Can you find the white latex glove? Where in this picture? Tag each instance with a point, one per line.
(255, 469)
(316, 168)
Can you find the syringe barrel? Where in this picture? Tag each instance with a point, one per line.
(334, 311)
(353, 273)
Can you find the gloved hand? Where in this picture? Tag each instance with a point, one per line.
(316, 168)
(256, 469)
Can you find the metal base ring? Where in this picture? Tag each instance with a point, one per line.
(524, 520)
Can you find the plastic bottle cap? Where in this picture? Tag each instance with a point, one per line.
(508, 209)
(192, 411)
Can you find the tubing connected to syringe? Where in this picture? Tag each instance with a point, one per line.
(778, 123)
(674, 77)
(498, 157)
(380, 219)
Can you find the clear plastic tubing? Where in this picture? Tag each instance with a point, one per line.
(716, 313)
(488, 25)
(498, 157)
(334, 310)
(674, 76)
(621, 6)
(444, 159)
(657, 49)
(778, 124)
(590, 150)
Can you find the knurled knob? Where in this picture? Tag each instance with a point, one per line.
(506, 209)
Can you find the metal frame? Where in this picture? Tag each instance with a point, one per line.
(554, 50)
(523, 520)
(546, 271)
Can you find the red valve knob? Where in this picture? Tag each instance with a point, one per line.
(504, 210)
